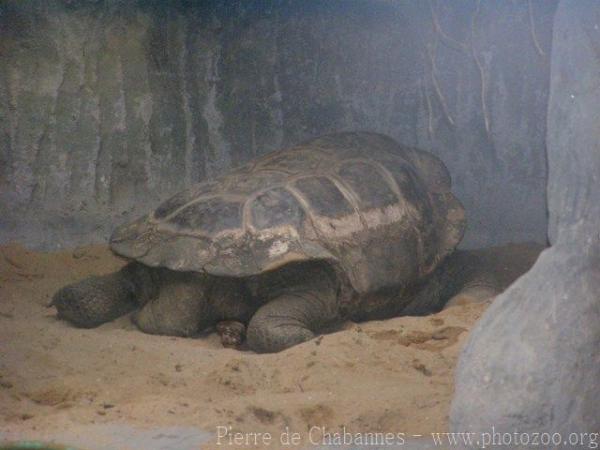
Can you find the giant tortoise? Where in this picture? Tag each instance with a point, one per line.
(345, 226)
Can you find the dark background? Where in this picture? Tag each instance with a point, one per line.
(107, 107)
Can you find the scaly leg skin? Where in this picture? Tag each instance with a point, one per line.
(180, 308)
(96, 300)
(292, 318)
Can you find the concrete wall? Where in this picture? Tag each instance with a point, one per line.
(107, 107)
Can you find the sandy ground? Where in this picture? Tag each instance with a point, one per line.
(55, 380)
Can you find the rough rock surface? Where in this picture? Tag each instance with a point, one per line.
(532, 364)
(106, 108)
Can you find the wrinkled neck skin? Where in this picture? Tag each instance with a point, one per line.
(314, 276)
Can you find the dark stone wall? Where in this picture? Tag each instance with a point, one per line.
(107, 107)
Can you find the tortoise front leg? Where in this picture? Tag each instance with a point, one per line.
(99, 299)
(180, 308)
(189, 302)
(291, 319)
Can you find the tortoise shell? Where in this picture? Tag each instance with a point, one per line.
(381, 213)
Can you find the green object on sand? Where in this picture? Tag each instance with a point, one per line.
(33, 445)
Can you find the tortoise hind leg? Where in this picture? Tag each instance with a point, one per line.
(474, 293)
(99, 299)
(475, 276)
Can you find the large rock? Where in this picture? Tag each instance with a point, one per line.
(533, 362)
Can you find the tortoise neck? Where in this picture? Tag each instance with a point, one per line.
(291, 278)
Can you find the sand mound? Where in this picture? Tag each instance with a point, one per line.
(382, 376)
